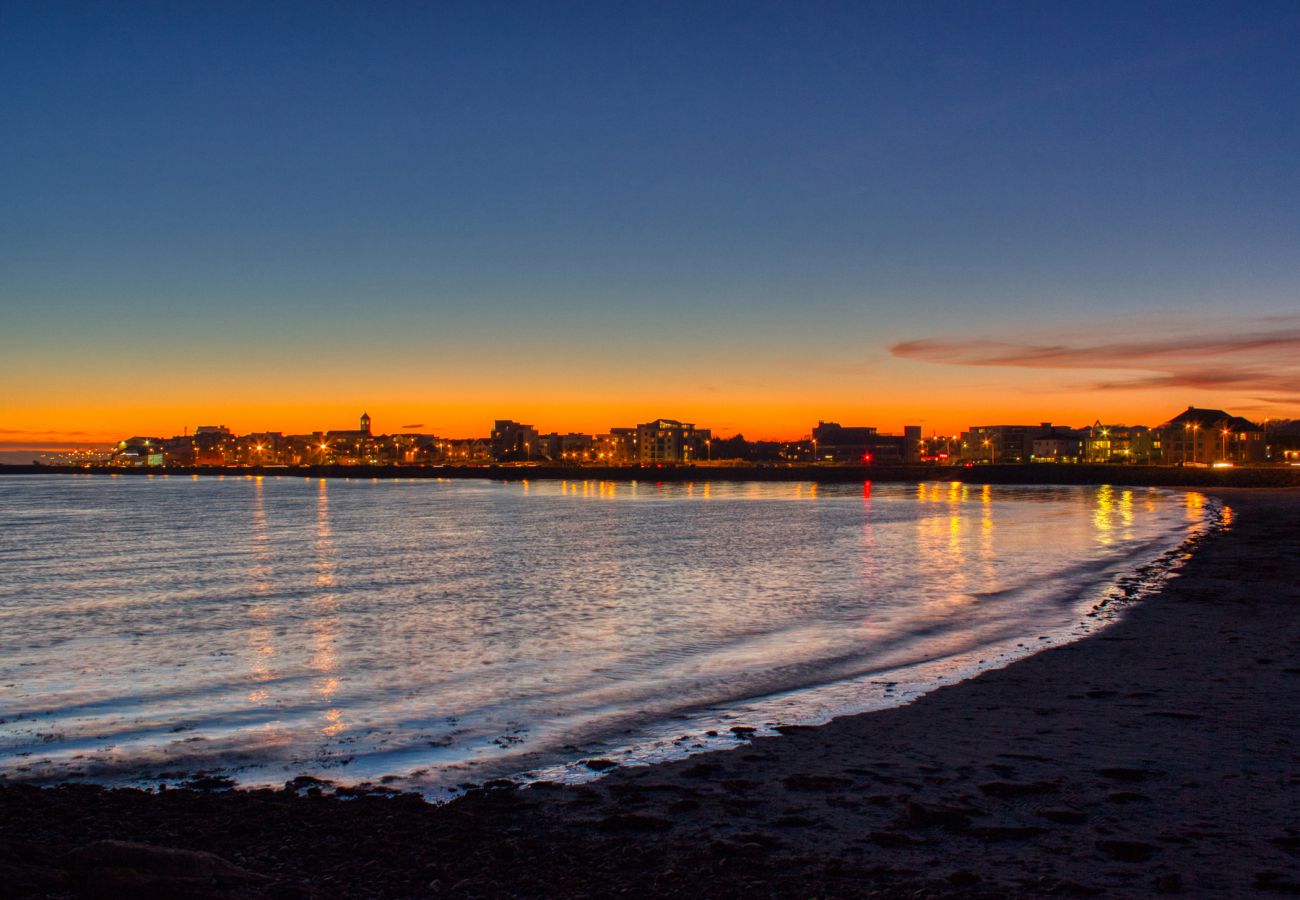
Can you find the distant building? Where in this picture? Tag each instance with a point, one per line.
(563, 448)
(1120, 444)
(860, 444)
(467, 450)
(1015, 443)
(669, 441)
(833, 442)
(898, 449)
(1063, 446)
(266, 448)
(138, 452)
(312, 449)
(213, 445)
(1206, 436)
(349, 446)
(618, 447)
(513, 441)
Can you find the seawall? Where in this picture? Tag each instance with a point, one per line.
(1149, 476)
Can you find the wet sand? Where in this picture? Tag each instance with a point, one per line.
(1161, 755)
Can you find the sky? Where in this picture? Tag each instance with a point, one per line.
(751, 216)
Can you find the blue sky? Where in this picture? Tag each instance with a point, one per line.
(743, 193)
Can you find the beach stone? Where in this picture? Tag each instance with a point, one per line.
(1128, 851)
(1006, 789)
(111, 868)
(634, 822)
(1004, 832)
(1168, 883)
(815, 782)
(1063, 816)
(1275, 882)
(919, 815)
(1128, 773)
(891, 839)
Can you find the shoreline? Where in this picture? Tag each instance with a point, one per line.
(1086, 768)
(1021, 474)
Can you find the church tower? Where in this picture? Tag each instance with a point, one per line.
(365, 423)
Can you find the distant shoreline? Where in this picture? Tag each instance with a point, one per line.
(1038, 474)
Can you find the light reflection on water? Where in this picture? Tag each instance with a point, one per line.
(448, 631)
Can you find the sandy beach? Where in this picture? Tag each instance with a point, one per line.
(1160, 756)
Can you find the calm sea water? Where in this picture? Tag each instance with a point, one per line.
(446, 632)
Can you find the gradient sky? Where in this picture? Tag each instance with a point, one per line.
(747, 215)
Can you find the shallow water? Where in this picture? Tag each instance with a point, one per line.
(450, 631)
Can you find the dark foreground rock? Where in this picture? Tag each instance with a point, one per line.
(1161, 756)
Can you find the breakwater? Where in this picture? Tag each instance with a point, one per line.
(1043, 474)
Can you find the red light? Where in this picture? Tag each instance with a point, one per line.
(866, 457)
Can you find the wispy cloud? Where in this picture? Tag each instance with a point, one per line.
(49, 434)
(1259, 358)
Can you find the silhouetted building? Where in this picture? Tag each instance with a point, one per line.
(138, 452)
(836, 443)
(1014, 443)
(667, 440)
(1061, 445)
(513, 441)
(266, 448)
(1205, 436)
(213, 445)
(833, 442)
(1120, 444)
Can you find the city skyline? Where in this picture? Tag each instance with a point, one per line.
(1197, 436)
(571, 214)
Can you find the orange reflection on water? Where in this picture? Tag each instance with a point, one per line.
(335, 719)
(261, 640)
(260, 571)
(1103, 514)
(324, 538)
(325, 625)
(868, 532)
(1194, 505)
(941, 547)
(261, 637)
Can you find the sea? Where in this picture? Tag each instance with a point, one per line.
(431, 635)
